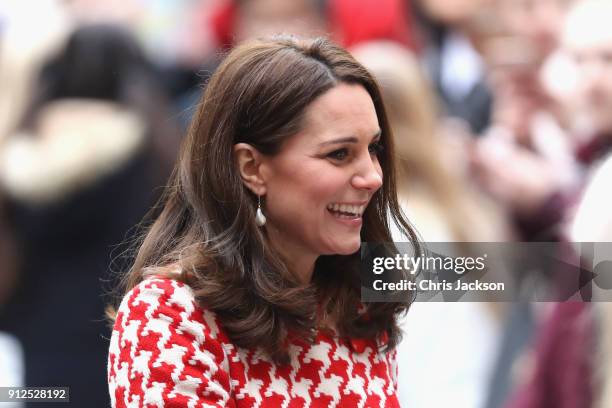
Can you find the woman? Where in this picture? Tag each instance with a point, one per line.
(245, 290)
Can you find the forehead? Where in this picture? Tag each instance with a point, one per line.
(343, 111)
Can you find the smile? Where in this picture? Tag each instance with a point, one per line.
(346, 211)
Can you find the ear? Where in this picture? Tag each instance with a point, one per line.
(249, 160)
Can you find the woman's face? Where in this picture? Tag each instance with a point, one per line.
(319, 184)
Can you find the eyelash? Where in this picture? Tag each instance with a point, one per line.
(375, 148)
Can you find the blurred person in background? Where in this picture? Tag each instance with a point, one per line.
(593, 223)
(78, 173)
(587, 40)
(526, 160)
(451, 34)
(234, 21)
(216, 26)
(229, 22)
(525, 63)
(540, 21)
(26, 39)
(11, 351)
(178, 36)
(551, 121)
(347, 22)
(260, 18)
(569, 363)
(443, 207)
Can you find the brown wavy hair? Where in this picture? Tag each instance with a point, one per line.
(258, 95)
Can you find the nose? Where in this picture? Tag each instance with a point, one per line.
(368, 175)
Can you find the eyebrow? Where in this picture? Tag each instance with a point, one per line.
(350, 139)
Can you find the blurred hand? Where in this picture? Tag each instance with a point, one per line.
(456, 140)
(512, 174)
(518, 96)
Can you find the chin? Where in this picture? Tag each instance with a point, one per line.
(347, 248)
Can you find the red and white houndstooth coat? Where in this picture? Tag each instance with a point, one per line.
(166, 351)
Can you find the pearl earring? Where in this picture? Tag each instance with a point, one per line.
(260, 218)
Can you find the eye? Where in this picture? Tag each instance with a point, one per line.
(376, 148)
(339, 154)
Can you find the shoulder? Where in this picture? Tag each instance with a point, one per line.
(158, 291)
(169, 303)
(166, 349)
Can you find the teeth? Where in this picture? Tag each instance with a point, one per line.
(345, 208)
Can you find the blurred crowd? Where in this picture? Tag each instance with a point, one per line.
(501, 112)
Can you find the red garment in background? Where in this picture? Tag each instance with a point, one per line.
(563, 373)
(357, 21)
(222, 23)
(350, 21)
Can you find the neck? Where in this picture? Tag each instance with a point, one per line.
(299, 261)
(302, 267)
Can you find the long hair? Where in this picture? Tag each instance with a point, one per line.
(207, 226)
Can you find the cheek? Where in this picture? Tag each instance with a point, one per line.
(322, 191)
(303, 194)
(327, 189)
